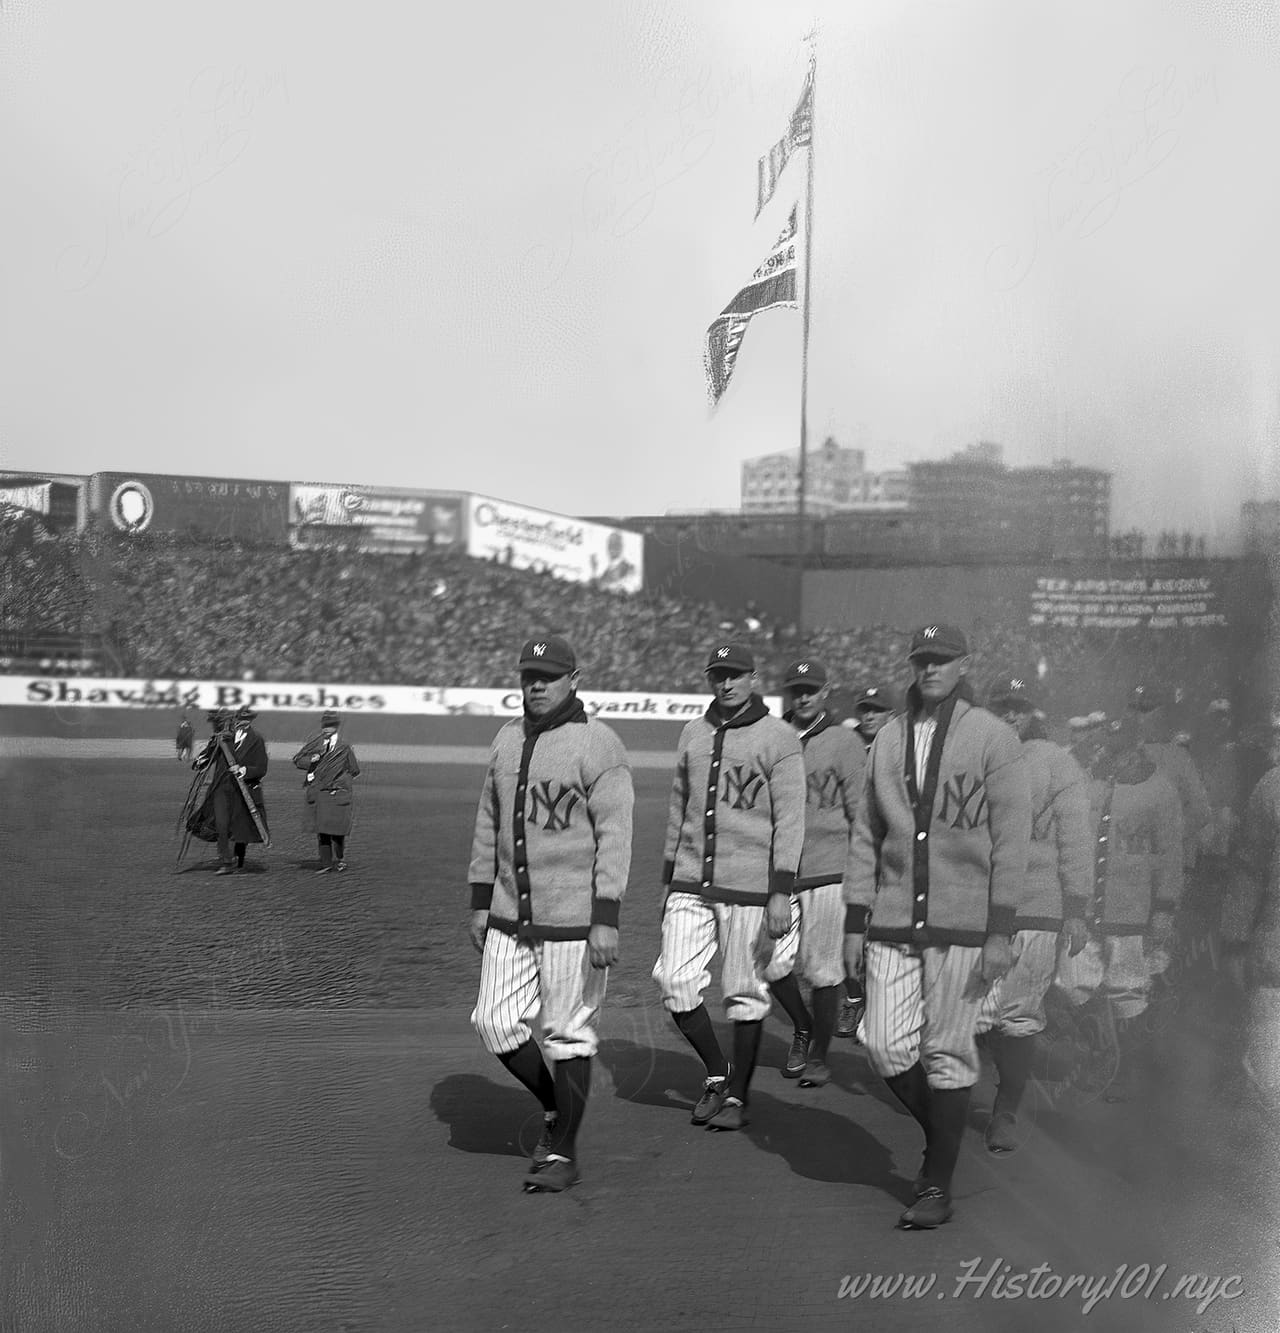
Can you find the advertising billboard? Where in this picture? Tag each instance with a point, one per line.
(568, 548)
(55, 501)
(137, 502)
(381, 518)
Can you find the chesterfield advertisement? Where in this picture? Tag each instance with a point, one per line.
(567, 548)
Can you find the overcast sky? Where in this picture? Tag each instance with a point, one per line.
(478, 247)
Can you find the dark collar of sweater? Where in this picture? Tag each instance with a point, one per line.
(752, 711)
(569, 711)
(915, 704)
(819, 725)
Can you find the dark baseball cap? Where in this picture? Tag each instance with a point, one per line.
(883, 697)
(805, 672)
(1012, 687)
(1147, 698)
(939, 640)
(730, 657)
(550, 654)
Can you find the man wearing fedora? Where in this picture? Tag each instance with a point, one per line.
(234, 823)
(331, 768)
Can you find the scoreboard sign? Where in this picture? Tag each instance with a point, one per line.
(137, 502)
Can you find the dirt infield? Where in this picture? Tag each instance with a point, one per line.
(256, 1103)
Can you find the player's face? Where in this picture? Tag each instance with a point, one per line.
(870, 720)
(731, 688)
(805, 703)
(544, 693)
(936, 676)
(1018, 718)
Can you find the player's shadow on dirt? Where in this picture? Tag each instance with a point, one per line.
(817, 1143)
(486, 1117)
(823, 1145)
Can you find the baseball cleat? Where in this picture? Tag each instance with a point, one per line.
(931, 1209)
(551, 1177)
(732, 1115)
(712, 1099)
(797, 1056)
(815, 1075)
(1001, 1135)
(850, 1017)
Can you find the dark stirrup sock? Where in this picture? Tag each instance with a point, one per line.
(526, 1064)
(573, 1086)
(697, 1029)
(746, 1043)
(787, 994)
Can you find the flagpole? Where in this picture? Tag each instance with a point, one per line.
(802, 472)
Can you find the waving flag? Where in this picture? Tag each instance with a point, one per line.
(799, 135)
(772, 284)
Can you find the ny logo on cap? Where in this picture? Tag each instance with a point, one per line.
(722, 652)
(802, 668)
(1017, 684)
(539, 649)
(931, 632)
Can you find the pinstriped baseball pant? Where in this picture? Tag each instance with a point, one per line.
(692, 927)
(522, 981)
(1116, 965)
(923, 1004)
(1015, 1004)
(814, 945)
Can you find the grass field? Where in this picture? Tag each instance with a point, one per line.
(255, 1102)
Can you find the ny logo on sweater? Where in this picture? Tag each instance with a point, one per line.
(1137, 842)
(742, 785)
(541, 800)
(964, 802)
(824, 789)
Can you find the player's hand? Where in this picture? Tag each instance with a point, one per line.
(1075, 935)
(855, 957)
(478, 928)
(239, 770)
(1160, 931)
(602, 945)
(777, 915)
(315, 759)
(997, 958)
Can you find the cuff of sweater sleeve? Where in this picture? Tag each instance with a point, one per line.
(604, 912)
(1000, 920)
(668, 872)
(783, 881)
(481, 897)
(855, 919)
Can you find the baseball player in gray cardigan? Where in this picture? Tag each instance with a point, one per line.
(549, 865)
(835, 763)
(936, 866)
(1055, 894)
(735, 831)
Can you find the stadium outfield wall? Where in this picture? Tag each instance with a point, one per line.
(1154, 595)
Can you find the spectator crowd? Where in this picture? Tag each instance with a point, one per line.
(164, 607)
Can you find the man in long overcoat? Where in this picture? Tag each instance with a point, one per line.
(331, 768)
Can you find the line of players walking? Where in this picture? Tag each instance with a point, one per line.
(932, 869)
